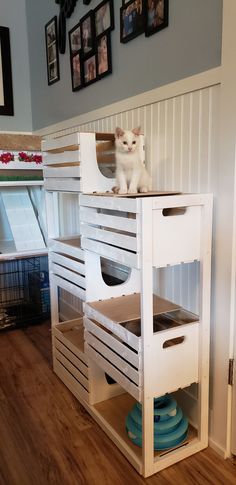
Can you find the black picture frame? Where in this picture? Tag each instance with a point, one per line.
(6, 90)
(90, 69)
(156, 16)
(132, 20)
(87, 33)
(52, 55)
(77, 76)
(104, 60)
(104, 17)
(75, 41)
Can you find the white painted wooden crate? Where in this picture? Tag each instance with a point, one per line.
(71, 163)
(84, 379)
(66, 264)
(112, 341)
(80, 272)
(175, 224)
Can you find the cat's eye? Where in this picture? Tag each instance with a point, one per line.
(134, 142)
(125, 143)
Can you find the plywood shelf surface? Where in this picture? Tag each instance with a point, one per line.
(127, 308)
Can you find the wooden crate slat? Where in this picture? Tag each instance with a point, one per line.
(120, 256)
(110, 370)
(68, 286)
(70, 381)
(88, 216)
(69, 156)
(112, 342)
(119, 330)
(62, 184)
(72, 369)
(68, 245)
(71, 335)
(71, 357)
(72, 171)
(110, 237)
(111, 203)
(67, 262)
(68, 275)
(113, 358)
(60, 142)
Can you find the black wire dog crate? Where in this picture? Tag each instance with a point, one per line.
(24, 292)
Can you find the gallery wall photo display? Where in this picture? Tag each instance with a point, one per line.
(138, 16)
(156, 16)
(52, 51)
(90, 46)
(77, 77)
(87, 33)
(6, 90)
(104, 17)
(132, 19)
(90, 70)
(104, 63)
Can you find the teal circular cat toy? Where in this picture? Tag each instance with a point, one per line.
(170, 426)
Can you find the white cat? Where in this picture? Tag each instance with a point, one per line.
(131, 174)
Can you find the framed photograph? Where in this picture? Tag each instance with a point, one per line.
(90, 70)
(75, 39)
(132, 20)
(52, 51)
(87, 32)
(6, 91)
(76, 71)
(104, 66)
(156, 16)
(104, 17)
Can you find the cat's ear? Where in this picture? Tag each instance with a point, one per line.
(137, 131)
(119, 132)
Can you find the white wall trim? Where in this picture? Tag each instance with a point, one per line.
(189, 84)
(219, 449)
(16, 132)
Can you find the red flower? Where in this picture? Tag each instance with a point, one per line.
(6, 157)
(37, 158)
(23, 157)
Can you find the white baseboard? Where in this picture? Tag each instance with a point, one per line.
(219, 449)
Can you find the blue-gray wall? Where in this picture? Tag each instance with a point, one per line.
(13, 15)
(191, 44)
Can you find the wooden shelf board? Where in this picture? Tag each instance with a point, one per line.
(146, 194)
(8, 251)
(21, 183)
(114, 412)
(127, 308)
(21, 166)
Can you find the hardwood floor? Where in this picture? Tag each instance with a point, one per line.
(46, 437)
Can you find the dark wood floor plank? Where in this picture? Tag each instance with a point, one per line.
(47, 438)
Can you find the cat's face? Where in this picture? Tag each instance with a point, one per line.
(127, 141)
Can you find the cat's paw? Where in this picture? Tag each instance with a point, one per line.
(132, 190)
(122, 191)
(143, 190)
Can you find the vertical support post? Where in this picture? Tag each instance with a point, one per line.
(204, 333)
(52, 214)
(145, 210)
(53, 299)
